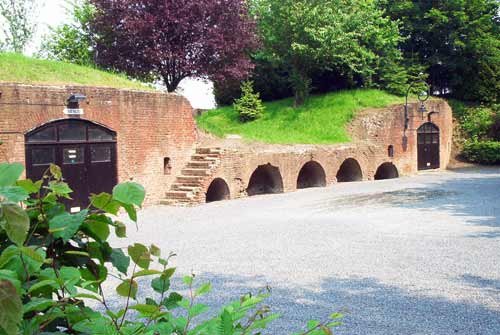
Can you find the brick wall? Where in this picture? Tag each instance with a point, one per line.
(373, 131)
(149, 127)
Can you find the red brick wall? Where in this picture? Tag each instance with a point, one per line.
(149, 127)
(372, 132)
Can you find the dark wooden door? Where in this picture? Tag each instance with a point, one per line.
(86, 153)
(428, 146)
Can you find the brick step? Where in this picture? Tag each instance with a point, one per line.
(197, 157)
(179, 195)
(177, 202)
(196, 172)
(200, 164)
(208, 150)
(186, 188)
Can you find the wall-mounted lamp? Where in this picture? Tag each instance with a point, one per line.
(74, 100)
(422, 97)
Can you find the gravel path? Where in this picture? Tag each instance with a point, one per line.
(417, 255)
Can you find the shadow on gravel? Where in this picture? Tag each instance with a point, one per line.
(370, 308)
(471, 194)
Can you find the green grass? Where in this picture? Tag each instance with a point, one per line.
(321, 120)
(17, 68)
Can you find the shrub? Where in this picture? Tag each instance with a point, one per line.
(482, 152)
(476, 121)
(249, 106)
(52, 262)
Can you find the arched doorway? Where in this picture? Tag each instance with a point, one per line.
(312, 174)
(428, 146)
(85, 151)
(217, 191)
(350, 170)
(264, 180)
(386, 171)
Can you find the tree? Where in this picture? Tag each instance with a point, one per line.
(457, 41)
(19, 23)
(72, 42)
(174, 39)
(249, 106)
(310, 36)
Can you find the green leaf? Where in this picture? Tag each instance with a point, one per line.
(203, 289)
(120, 229)
(145, 309)
(188, 280)
(88, 296)
(155, 251)
(144, 273)
(38, 305)
(36, 255)
(120, 261)
(55, 171)
(11, 308)
(13, 193)
(10, 173)
(43, 283)
(77, 253)
(197, 310)
(60, 188)
(12, 277)
(161, 284)
(132, 213)
(140, 255)
(226, 323)
(98, 226)
(105, 202)
(129, 193)
(29, 186)
(15, 222)
(172, 301)
(127, 287)
(66, 225)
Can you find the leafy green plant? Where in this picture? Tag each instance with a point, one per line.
(249, 106)
(52, 263)
(483, 152)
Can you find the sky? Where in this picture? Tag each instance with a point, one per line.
(53, 13)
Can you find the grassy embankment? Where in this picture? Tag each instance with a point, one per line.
(321, 120)
(17, 68)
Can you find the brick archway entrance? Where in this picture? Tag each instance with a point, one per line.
(386, 171)
(85, 151)
(350, 170)
(217, 191)
(265, 179)
(312, 174)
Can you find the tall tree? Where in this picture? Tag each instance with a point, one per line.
(72, 42)
(350, 37)
(457, 41)
(174, 39)
(19, 24)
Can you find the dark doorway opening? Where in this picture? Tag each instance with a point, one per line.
(266, 179)
(349, 171)
(386, 171)
(312, 174)
(217, 191)
(428, 146)
(85, 151)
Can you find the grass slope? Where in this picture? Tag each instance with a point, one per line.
(321, 120)
(17, 68)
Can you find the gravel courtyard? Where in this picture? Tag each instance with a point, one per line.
(418, 255)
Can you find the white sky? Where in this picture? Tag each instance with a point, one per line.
(53, 13)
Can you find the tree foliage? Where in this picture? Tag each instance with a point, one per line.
(171, 40)
(350, 37)
(72, 42)
(457, 41)
(249, 106)
(53, 262)
(18, 23)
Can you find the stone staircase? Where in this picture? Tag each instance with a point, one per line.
(188, 187)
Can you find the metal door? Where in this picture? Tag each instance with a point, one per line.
(86, 153)
(428, 146)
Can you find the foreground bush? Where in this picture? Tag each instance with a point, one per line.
(482, 152)
(52, 262)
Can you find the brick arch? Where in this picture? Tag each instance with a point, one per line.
(266, 179)
(312, 174)
(48, 123)
(386, 170)
(350, 170)
(217, 190)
